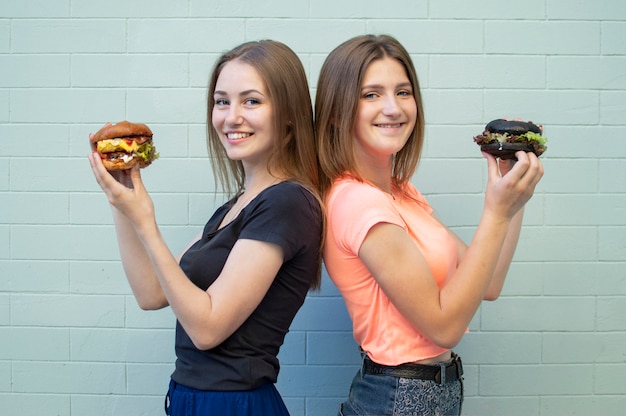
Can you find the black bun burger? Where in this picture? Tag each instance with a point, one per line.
(502, 138)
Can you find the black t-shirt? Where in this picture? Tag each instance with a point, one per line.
(285, 214)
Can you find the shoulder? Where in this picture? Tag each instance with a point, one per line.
(352, 194)
(288, 197)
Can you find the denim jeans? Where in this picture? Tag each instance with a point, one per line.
(381, 395)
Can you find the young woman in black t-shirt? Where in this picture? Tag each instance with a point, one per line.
(237, 287)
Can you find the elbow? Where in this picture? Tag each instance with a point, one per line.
(492, 294)
(148, 304)
(448, 340)
(204, 342)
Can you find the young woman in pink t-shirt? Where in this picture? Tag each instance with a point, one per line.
(410, 284)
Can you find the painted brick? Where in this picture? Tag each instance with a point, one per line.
(25, 208)
(322, 406)
(341, 348)
(610, 313)
(612, 175)
(167, 105)
(610, 141)
(613, 38)
(30, 242)
(441, 106)
(500, 348)
(610, 379)
(148, 379)
(4, 106)
(5, 376)
(399, 9)
(137, 318)
(533, 380)
(511, 406)
(86, 105)
(434, 176)
(570, 279)
(581, 405)
(183, 35)
(486, 9)
(5, 244)
(98, 277)
(328, 32)
(44, 140)
(612, 244)
(26, 71)
(487, 71)
(324, 381)
(35, 404)
(124, 9)
(52, 8)
(323, 314)
(25, 344)
(75, 378)
(293, 350)
(95, 311)
(583, 10)
(446, 207)
(122, 345)
(544, 107)
(248, 8)
(5, 37)
(542, 244)
(132, 70)
(539, 314)
(68, 35)
(590, 209)
(611, 278)
(540, 37)
(33, 276)
(435, 36)
(604, 73)
(570, 176)
(524, 279)
(200, 67)
(116, 404)
(612, 107)
(596, 347)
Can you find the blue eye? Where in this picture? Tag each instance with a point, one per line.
(370, 95)
(221, 102)
(252, 101)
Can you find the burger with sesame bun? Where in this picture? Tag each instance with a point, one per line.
(502, 138)
(124, 145)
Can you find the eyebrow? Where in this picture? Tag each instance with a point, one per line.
(380, 87)
(242, 93)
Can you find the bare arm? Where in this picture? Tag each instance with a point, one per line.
(208, 316)
(401, 270)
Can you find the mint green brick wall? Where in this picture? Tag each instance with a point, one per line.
(74, 342)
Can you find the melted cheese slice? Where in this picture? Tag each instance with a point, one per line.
(113, 145)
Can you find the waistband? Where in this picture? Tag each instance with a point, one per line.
(439, 373)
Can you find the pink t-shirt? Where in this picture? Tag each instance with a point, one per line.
(353, 208)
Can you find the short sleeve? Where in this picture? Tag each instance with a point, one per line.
(287, 215)
(354, 208)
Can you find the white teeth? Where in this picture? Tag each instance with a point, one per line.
(235, 136)
(389, 125)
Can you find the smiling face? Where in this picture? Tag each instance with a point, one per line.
(243, 114)
(387, 111)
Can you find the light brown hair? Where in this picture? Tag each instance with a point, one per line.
(337, 102)
(293, 155)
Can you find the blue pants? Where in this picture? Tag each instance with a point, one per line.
(186, 401)
(387, 395)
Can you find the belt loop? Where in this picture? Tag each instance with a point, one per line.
(441, 374)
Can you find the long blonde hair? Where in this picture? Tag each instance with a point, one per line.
(337, 102)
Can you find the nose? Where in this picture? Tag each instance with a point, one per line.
(391, 108)
(233, 115)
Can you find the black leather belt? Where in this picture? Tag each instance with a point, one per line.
(453, 370)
